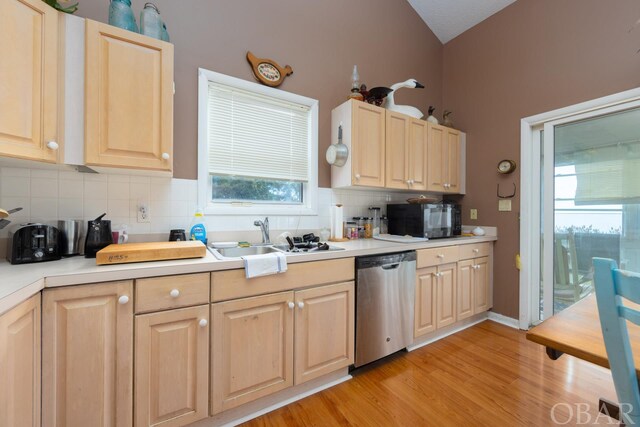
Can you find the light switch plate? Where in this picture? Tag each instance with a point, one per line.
(504, 205)
(473, 213)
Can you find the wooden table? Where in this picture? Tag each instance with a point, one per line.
(576, 331)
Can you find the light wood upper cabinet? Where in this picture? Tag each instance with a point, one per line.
(172, 367)
(128, 99)
(446, 295)
(417, 145)
(406, 145)
(444, 156)
(20, 364)
(28, 80)
(87, 353)
(397, 150)
(368, 154)
(425, 302)
(252, 349)
(324, 330)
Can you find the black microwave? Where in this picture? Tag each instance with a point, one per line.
(434, 221)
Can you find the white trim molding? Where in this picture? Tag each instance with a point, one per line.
(504, 320)
(310, 198)
(530, 205)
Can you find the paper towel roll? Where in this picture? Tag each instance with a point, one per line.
(336, 222)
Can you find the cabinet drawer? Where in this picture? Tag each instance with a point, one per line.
(437, 256)
(161, 293)
(475, 250)
(232, 284)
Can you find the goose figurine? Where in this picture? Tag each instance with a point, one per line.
(404, 109)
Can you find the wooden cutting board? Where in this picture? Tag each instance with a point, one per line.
(150, 251)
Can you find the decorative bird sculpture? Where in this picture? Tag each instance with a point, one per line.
(446, 121)
(431, 118)
(377, 95)
(404, 109)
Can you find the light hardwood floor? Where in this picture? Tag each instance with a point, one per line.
(487, 375)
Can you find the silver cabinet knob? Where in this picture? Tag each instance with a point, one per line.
(357, 176)
(300, 304)
(203, 323)
(475, 251)
(123, 299)
(52, 145)
(166, 156)
(441, 256)
(174, 293)
(291, 305)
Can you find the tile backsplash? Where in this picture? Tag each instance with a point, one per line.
(48, 195)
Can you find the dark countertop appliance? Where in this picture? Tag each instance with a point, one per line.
(33, 243)
(98, 236)
(434, 221)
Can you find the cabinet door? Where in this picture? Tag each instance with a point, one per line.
(172, 367)
(437, 158)
(425, 308)
(481, 288)
(324, 330)
(20, 365)
(417, 154)
(252, 349)
(453, 161)
(129, 99)
(446, 295)
(464, 296)
(87, 353)
(397, 130)
(368, 145)
(28, 79)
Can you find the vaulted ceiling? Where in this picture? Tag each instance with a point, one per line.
(450, 18)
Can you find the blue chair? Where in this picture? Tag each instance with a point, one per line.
(611, 286)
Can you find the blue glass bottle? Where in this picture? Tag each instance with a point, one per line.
(121, 15)
(165, 33)
(150, 21)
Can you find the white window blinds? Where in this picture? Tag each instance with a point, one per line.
(253, 135)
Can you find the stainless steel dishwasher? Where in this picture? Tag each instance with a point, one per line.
(385, 289)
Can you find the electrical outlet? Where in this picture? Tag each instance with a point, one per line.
(504, 205)
(474, 213)
(143, 212)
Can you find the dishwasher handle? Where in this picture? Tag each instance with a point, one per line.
(390, 266)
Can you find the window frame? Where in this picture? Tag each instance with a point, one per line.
(310, 188)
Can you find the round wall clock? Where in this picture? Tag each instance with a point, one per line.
(268, 71)
(506, 166)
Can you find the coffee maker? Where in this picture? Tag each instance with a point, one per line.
(98, 236)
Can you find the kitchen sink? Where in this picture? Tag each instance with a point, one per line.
(238, 252)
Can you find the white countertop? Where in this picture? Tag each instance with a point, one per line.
(19, 282)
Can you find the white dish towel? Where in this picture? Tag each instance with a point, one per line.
(264, 265)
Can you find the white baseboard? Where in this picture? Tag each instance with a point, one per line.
(504, 320)
(445, 332)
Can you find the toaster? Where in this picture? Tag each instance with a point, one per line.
(33, 243)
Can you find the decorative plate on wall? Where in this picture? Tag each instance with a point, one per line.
(267, 71)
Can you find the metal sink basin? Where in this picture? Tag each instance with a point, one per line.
(239, 252)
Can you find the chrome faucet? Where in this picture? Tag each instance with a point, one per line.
(264, 227)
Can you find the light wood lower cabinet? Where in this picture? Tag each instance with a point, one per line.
(425, 303)
(446, 295)
(252, 349)
(87, 353)
(481, 284)
(465, 296)
(324, 330)
(172, 367)
(20, 365)
(257, 350)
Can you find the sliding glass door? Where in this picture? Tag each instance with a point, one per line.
(590, 199)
